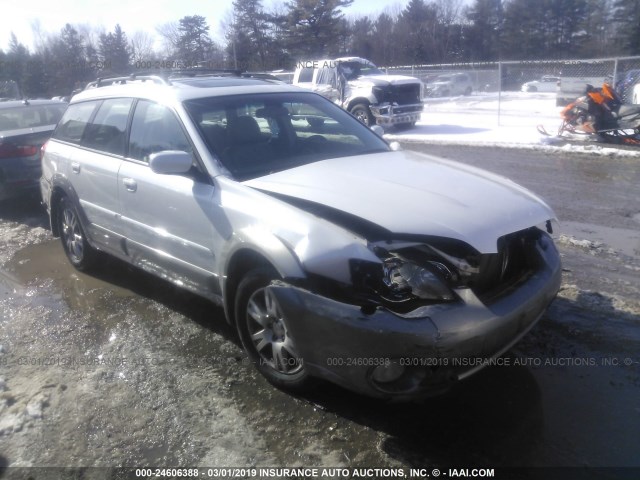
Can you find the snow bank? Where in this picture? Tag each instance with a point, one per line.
(506, 120)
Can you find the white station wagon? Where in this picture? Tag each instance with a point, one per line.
(334, 256)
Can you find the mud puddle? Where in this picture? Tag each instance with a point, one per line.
(153, 376)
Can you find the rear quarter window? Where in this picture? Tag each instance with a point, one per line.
(74, 122)
(107, 130)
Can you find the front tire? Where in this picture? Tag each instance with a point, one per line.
(264, 332)
(363, 113)
(74, 241)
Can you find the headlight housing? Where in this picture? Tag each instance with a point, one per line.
(404, 278)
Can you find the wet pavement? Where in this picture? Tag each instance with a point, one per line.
(119, 368)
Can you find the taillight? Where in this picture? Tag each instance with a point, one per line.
(8, 150)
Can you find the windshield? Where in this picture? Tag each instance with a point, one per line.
(353, 70)
(254, 135)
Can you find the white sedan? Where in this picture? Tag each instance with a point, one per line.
(545, 84)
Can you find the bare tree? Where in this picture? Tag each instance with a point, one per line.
(141, 44)
(170, 33)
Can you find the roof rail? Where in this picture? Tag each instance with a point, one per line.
(201, 72)
(164, 77)
(105, 81)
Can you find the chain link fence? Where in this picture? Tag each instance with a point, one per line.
(567, 79)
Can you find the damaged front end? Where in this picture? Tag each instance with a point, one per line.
(418, 320)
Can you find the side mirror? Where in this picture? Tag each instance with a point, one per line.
(170, 162)
(377, 129)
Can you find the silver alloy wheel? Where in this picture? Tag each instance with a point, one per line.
(72, 235)
(269, 334)
(362, 116)
(361, 112)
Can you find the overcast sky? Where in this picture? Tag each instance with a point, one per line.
(132, 15)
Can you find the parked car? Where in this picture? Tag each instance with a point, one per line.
(547, 83)
(387, 272)
(576, 76)
(624, 87)
(361, 88)
(24, 127)
(450, 85)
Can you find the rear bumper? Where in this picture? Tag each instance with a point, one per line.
(18, 177)
(437, 346)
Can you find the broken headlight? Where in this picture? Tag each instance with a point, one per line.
(405, 283)
(405, 279)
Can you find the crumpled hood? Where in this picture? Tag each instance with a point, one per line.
(413, 193)
(381, 80)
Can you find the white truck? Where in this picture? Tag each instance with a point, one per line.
(359, 87)
(575, 77)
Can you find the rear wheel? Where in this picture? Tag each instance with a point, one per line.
(264, 331)
(74, 241)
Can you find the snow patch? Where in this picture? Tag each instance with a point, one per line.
(506, 120)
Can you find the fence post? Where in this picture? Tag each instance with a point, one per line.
(499, 89)
(615, 73)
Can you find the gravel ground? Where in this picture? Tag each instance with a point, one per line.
(121, 369)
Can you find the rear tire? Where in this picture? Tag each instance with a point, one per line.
(74, 241)
(264, 332)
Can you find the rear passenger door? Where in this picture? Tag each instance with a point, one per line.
(167, 218)
(98, 128)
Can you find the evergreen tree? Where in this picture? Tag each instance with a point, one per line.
(68, 69)
(248, 36)
(596, 36)
(315, 27)
(384, 41)
(362, 37)
(417, 33)
(483, 35)
(627, 19)
(114, 51)
(193, 42)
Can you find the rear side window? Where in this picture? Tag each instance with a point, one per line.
(306, 75)
(74, 122)
(107, 131)
(155, 128)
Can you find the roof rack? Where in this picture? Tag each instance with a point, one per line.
(122, 80)
(164, 77)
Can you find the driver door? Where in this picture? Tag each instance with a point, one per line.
(167, 218)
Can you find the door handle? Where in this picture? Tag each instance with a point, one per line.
(130, 184)
(75, 167)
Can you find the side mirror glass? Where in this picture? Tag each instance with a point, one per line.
(170, 162)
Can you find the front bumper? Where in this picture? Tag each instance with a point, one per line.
(393, 114)
(437, 346)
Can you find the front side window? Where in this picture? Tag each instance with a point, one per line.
(107, 131)
(155, 128)
(74, 122)
(254, 135)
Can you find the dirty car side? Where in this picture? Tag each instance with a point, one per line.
(333, 256)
